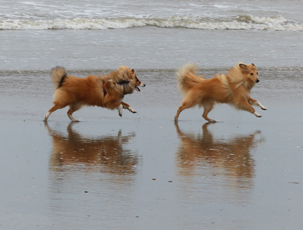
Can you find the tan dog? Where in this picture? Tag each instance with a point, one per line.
(233, 88)
(107, 91)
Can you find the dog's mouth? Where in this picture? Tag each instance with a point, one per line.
(138, 89)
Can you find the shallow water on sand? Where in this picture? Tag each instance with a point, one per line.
(148, 48)
(142, 171)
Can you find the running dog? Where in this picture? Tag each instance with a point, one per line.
(107, 91)
(233, 88)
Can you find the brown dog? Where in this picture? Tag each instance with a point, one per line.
(233, 88)
(107, 91)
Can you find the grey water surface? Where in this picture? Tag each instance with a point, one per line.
(143, 171)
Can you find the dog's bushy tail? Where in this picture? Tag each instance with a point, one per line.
(58, 75)
(186, 77)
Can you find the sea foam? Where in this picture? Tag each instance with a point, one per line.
(241, 22)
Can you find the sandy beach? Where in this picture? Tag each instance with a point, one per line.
(143, 171)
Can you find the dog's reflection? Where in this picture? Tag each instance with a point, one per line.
(105, 152)
(229, 157)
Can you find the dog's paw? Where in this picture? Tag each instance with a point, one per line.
(257, 114)
(261, 106)
(120, 110)
(132, 110)
(46, 116)
(74, 120)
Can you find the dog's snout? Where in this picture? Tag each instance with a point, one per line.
(142, 85)
(257, 80)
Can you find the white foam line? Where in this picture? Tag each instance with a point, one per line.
(244, 22)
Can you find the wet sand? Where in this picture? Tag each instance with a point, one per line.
(143, 171)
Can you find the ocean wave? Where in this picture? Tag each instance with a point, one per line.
(241, 22)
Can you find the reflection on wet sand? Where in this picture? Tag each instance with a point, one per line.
(220, 157)
(104, 153)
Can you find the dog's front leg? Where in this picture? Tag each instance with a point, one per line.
(255, 102)
(245, 105)
(120, 110)
(127, 106)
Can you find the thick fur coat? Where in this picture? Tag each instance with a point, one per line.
(233, 88)
(107, 91)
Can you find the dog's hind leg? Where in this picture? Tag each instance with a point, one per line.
(72, 109)
(53, 109)
(46, 116)
(180, 109)
(184, 105)
(207, 109)
(127, 106)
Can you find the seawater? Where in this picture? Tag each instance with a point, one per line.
(96, 35)
(142, 171)
(92, 14)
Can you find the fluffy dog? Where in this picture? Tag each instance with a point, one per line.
(107, 91)
(233, 88)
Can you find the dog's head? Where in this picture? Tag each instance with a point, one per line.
(130, 77)
(250, 73)
(136, 80)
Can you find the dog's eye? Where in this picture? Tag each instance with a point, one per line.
(251, 73)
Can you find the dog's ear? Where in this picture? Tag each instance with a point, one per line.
(253, 64)
(133, 70)
(243, 66)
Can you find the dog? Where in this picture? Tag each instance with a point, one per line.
(233, 88)
(107, 91)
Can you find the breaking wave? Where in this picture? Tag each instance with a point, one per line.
(241, 22)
